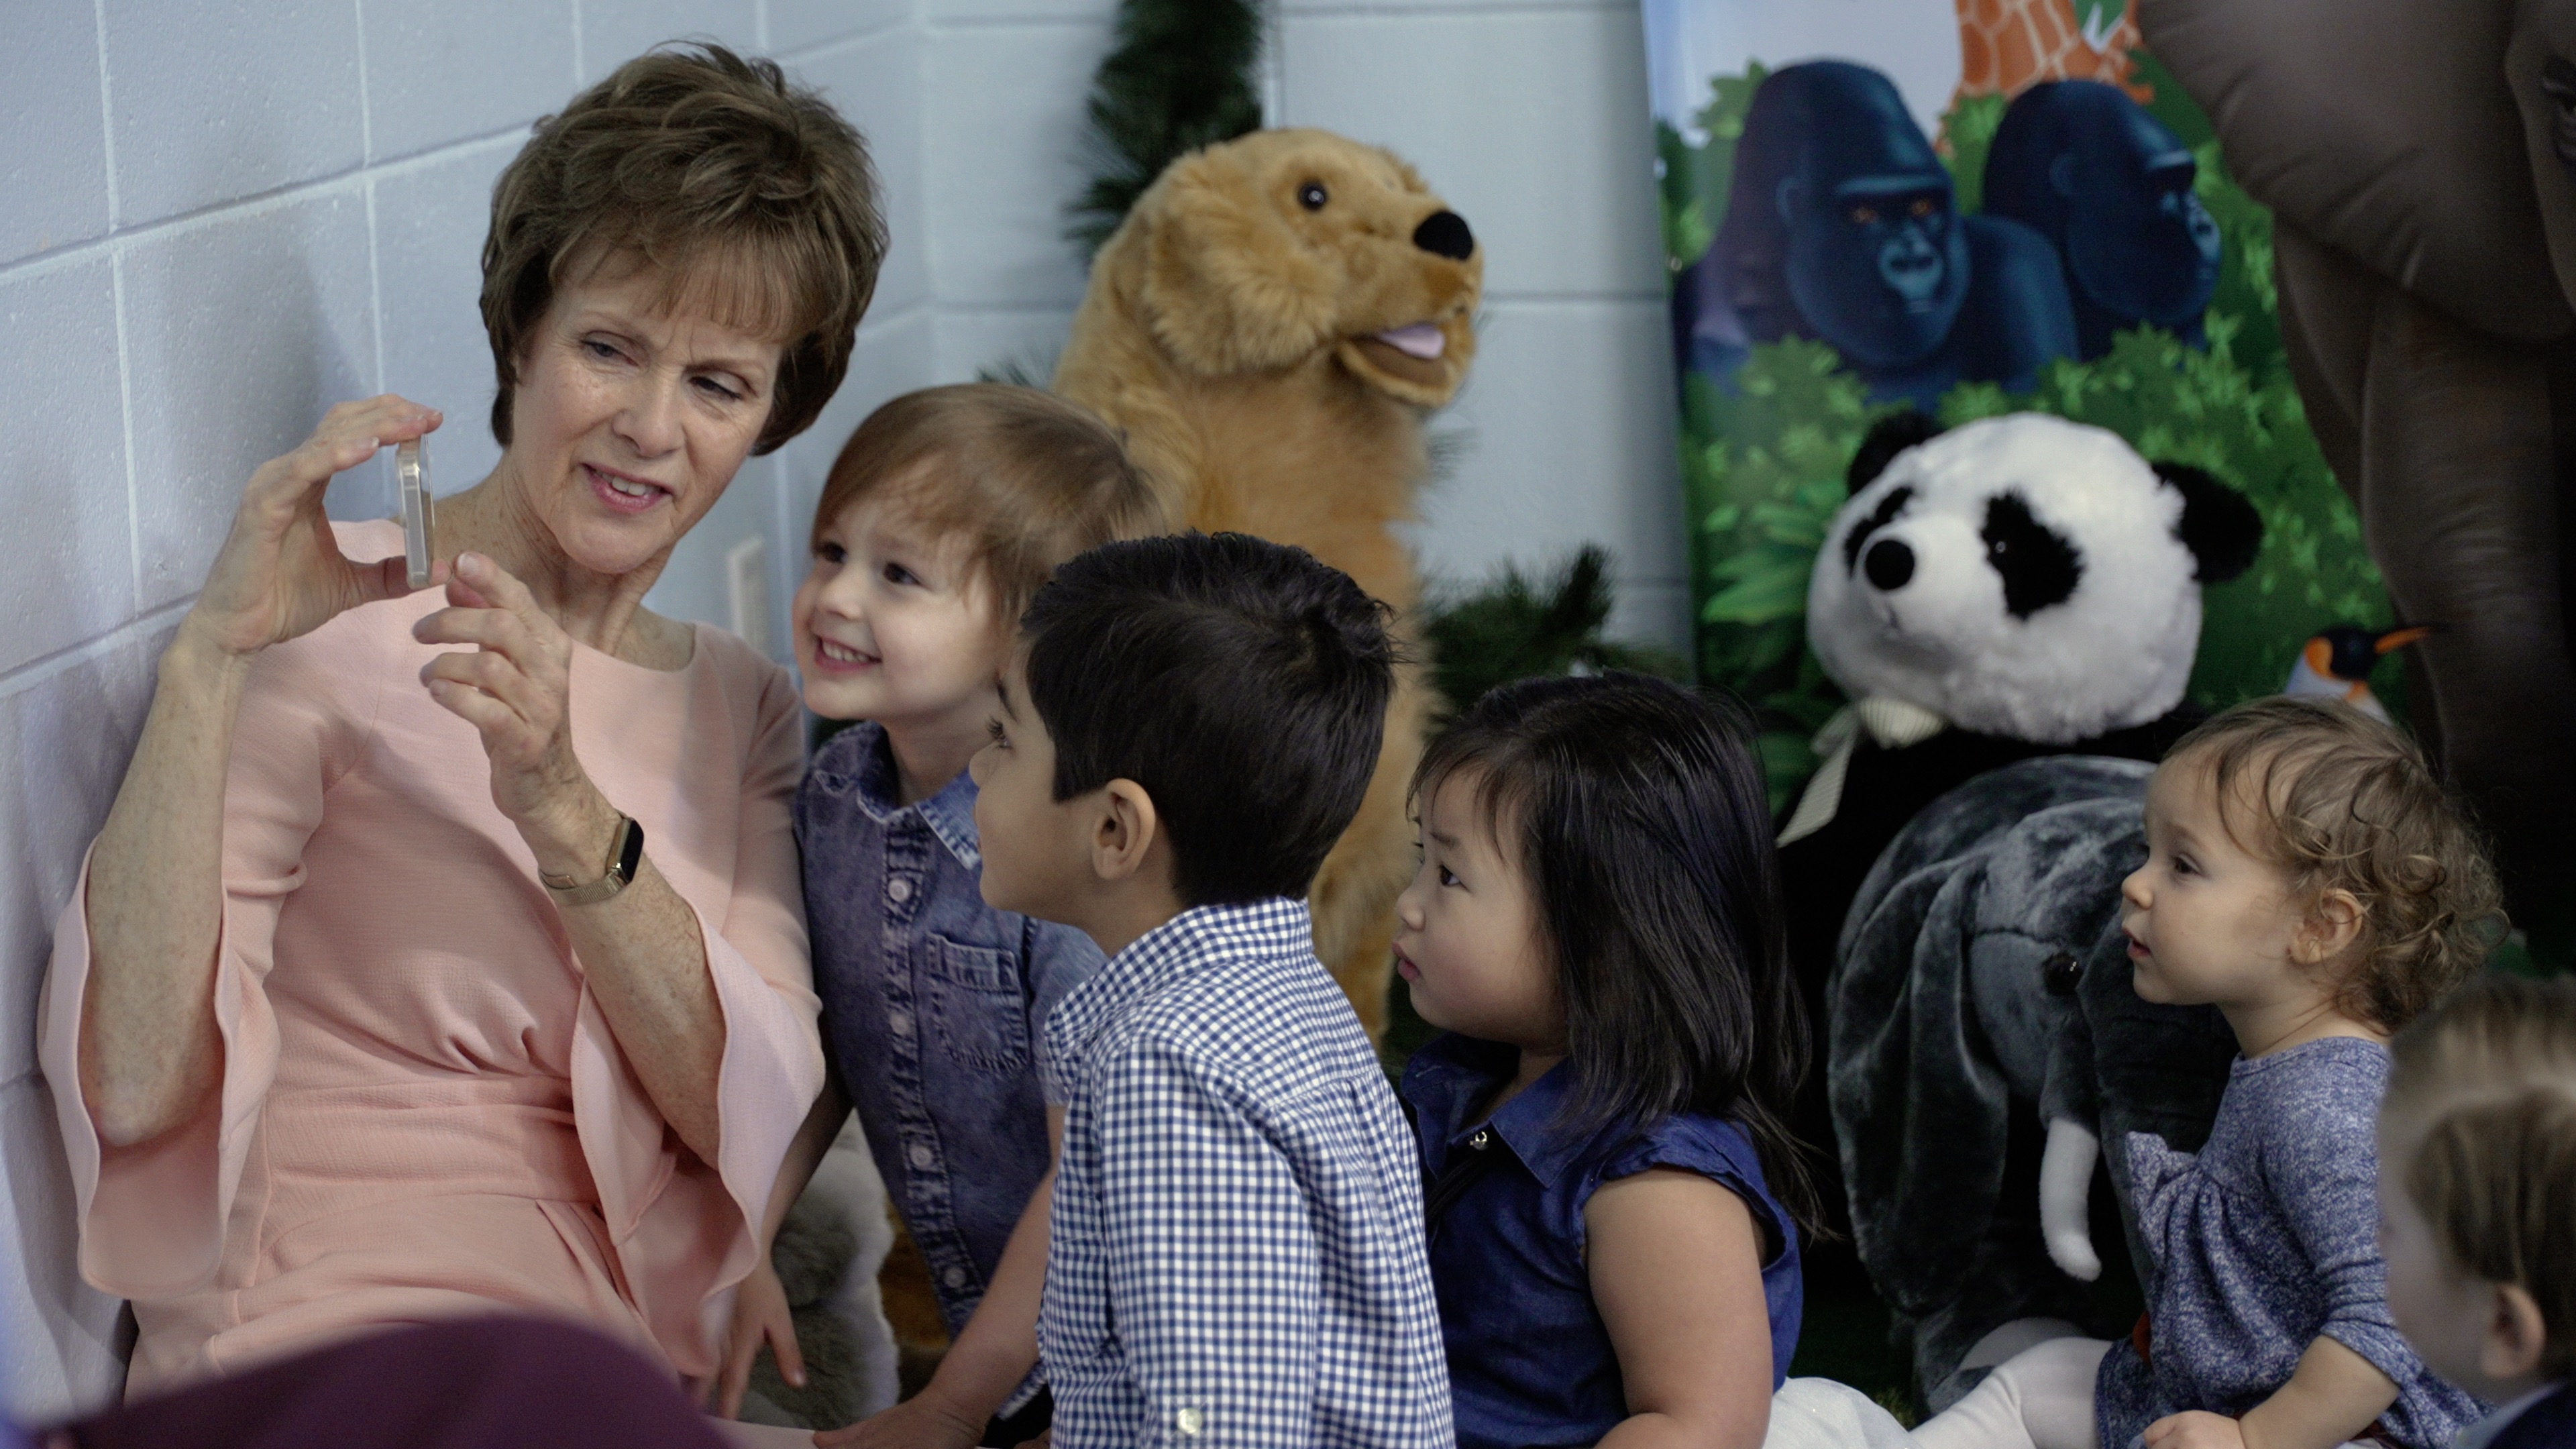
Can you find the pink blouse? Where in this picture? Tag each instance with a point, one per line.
(423, 1111)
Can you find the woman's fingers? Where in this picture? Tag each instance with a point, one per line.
(473, 706)
(782, 1341)
(498, 676)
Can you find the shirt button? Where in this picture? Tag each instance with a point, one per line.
(922, 1157)
(1483, 1139)
(899, 890)
(1189, 1422)
(899, 1022)
(954, 1277)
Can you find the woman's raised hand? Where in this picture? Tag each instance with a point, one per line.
(280, 572)
(515, 688)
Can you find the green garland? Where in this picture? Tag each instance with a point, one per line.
(1180, 77)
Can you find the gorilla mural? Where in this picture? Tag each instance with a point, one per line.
(1840, 226)
(2086, 167)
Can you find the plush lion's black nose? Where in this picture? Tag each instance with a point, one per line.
(1445, 233)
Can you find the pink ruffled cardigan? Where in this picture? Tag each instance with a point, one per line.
(423, 1111)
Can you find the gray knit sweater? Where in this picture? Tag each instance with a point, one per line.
(2265, 1240)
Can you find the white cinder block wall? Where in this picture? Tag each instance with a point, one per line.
(216, 220)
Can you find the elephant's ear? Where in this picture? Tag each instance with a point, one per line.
(2384, 129)
(2540, 66)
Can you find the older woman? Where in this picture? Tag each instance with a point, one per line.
(408, 979)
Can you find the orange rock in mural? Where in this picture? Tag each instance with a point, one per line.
(2005, 45)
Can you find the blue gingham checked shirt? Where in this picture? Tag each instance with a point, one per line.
(1236, 1251)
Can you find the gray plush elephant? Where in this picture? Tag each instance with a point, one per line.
(2416, 158)
(1983, 1039)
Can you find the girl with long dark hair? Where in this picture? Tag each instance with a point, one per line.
(1615, 1202)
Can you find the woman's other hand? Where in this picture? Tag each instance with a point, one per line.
(515, 688)
(280, 572)
(760, 1315)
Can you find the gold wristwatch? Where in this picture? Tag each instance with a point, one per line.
(625, 857)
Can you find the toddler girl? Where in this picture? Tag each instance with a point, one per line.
(2306, 875)
(2477, 1202)
(941, 517)
(1613, 1201)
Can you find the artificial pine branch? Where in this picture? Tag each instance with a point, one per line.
(1179, 78)
(1518, 626)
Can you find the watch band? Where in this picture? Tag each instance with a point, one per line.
(625, 857)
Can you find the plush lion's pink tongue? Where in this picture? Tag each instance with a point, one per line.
(1422, 339)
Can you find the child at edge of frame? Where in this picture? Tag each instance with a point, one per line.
(942, 515)
(2477, 1202)
(1235, 1255)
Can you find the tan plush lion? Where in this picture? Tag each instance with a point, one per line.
(1269, 326)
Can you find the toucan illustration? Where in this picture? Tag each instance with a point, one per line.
(2337, 663)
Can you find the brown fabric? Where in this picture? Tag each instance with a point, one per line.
(2383, 128)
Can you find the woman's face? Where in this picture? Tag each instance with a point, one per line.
(629, 421)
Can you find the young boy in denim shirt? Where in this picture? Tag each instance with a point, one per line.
(1236, 1251)
(942, 515)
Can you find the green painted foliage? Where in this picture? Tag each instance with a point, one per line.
(1763, 460)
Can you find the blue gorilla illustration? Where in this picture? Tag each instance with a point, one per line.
(1841, 226)
(2088, 168)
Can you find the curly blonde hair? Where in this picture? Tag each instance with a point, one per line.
(2344, 802)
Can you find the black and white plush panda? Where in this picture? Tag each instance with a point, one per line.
(2014, 587)
(2024, 577)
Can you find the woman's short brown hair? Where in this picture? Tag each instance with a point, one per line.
(2482, 1099)
(2344, 802)
(684, 160)
(1026, 478)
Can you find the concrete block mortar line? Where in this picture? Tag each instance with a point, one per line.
(261, 203)
(375, 285)
(827, 48)
(366, 104)
(38, 670)
(106, 112)
(125, 418)
(1397, 10)
(577, 70)
(986, 24)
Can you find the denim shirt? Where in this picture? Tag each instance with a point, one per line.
(1530, 1361)
(932, 1005)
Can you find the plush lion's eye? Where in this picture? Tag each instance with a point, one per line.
(1311, 196)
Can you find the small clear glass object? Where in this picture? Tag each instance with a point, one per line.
(411, 466)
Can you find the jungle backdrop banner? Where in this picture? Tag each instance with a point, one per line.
(1972, 207)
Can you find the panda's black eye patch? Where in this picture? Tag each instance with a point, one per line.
(1880, 517)
(2039, 567)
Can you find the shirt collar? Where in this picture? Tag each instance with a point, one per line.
(1201, 936)
(950, 813)
(2485, 1431)
(1458, 1074)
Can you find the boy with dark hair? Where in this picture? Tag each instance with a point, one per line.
(1236, 1257)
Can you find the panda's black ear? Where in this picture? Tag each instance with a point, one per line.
(2220, 528)
(1888, 437)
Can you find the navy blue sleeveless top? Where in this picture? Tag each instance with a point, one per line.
(1530, 1362)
